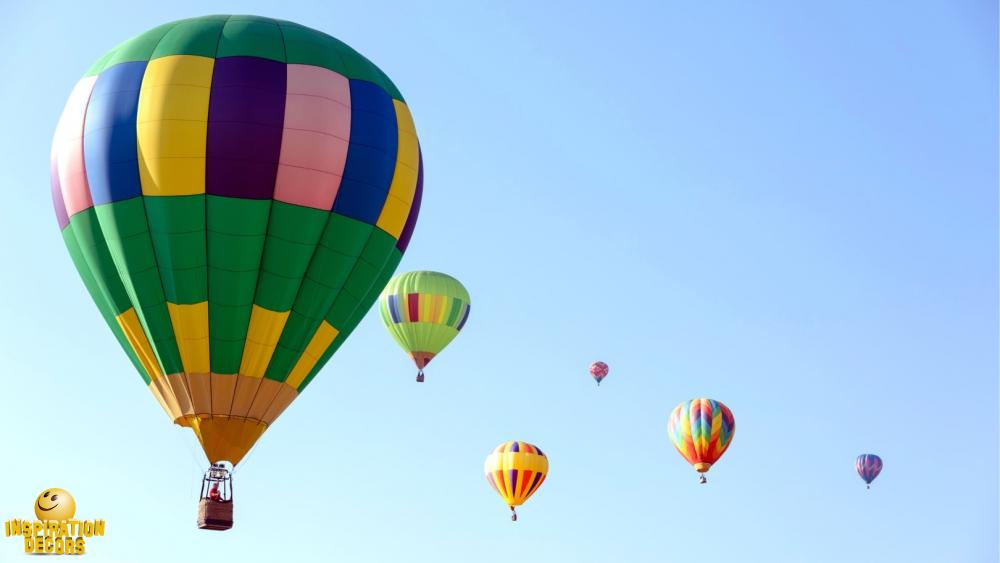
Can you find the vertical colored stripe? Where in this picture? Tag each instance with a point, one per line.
(413, 307)
(171, 125)
(525, 479)
(501, 483)
(317, 129)
(440, 308)
(465, 317)
(454, 308)
(397, 204)
(446, 307)
(262, 337)
(539, 477)
(109, 142)
(431, 308)
(62, 217)
(371, 154)
(317, 346)
(67, 148)
(411, 220)
(425, 308)
(190, 323)
(246, 114)
(393, 307)
(400, 308)
(129, 323)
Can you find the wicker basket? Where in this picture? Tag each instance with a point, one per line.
(215, 515)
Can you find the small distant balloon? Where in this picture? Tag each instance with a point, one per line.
(868, 466)
(599, 370)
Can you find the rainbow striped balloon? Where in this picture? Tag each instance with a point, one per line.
(234, 191)
(868, 467)
(701, 430)
(516, 470)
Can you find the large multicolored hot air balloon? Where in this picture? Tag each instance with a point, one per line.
(868, 467)
(701, 430)
(235, 191)
(515, 470)
(424, 311)
(599, 370)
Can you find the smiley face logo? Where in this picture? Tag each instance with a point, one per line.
(55, 504)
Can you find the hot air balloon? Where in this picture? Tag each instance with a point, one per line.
(424, 311)
(868, 466)
(599, 370)
(235, 191)
(701, 430)
(515, 470)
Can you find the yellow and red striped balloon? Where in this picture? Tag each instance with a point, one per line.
(516, 470)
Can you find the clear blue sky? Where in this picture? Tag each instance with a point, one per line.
(789, 207)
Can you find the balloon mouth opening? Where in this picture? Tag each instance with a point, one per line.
(421, 359)
(702, 467)
(227, 439)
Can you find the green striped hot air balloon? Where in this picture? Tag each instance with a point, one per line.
(424, 311)
(234, 192)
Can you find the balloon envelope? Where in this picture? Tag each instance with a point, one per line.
(423, 312)
(234, 192)
(516, 470)
(868, 467)
(599, 370)
(701, 430)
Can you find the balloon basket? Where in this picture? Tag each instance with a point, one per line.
(215, 506)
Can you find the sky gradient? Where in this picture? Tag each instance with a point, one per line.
(788, 208)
